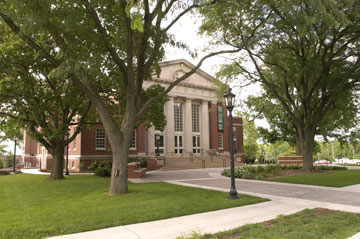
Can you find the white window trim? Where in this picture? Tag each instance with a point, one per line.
(182, 118)
(196, 119)
(102, 148)
(222, 141)
(134, 148)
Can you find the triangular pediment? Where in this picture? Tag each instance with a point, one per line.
(172, 70)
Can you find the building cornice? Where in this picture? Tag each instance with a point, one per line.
(185, 84)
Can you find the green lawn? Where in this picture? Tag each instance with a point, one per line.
(33, 208)
(339, 178)
(309, 224)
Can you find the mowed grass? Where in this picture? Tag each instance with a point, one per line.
(33, 208)
(339, 178)
(310, 224)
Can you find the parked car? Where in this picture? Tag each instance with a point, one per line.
(323, 162)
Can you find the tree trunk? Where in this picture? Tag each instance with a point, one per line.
(298, 148)
(58, 164)
(119, 173)
(307, 150)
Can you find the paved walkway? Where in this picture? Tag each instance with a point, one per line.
(285, 199)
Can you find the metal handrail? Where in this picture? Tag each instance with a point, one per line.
(192, 156)
(212, 154)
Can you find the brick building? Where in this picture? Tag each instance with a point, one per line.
(196, 123)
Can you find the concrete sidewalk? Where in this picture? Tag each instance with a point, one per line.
(211, 222)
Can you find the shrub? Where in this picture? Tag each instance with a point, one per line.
(81, 165)
(102, 169)
(260, 169)
(133, 159)
(93, 166)
(226, 173)
(261, 159)
(103, 172)
(252, 170)
(143, 163)
(284, 166)
(249, 160)
(324, 167)
(260, 177)
(247, 174)
(296, 166)
(271, 161)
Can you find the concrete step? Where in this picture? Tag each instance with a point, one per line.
(198, 162)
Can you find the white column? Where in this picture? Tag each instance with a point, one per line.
(151, 141)
(188, 126)
(169, 134)
(205, 126)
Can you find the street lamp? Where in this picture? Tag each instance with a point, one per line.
(15, 139)
(157, 139)
(230, 102)
(67, 158)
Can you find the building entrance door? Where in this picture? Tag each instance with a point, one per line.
(196, 144)
(178, 144)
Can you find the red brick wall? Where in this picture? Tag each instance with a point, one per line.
(140, 140)
(213, 122)
(88, 142)
(78, 144)
(237, 125)
(290, 160)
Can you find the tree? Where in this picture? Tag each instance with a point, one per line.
(33, 98)
(304, 53)
(109, 48)
(251, 149)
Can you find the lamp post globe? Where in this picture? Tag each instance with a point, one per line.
(230, 103)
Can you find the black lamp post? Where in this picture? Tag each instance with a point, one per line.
(157, 139)
(15, 139)
(230, 102)
(67, 158)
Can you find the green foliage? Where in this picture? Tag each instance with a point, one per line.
(277, 149)
(155, 114)
(101, 169)
(143, 163)
(33, 98)
(292, 166)
(103, 172)
(288, 153)
(331, 150)
(260, 169)
(303, 55)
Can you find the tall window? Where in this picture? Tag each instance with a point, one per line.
(74, 144)
(133, 141)
(195, 118)
(100, 140)
(220, 141)
(178, 117)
